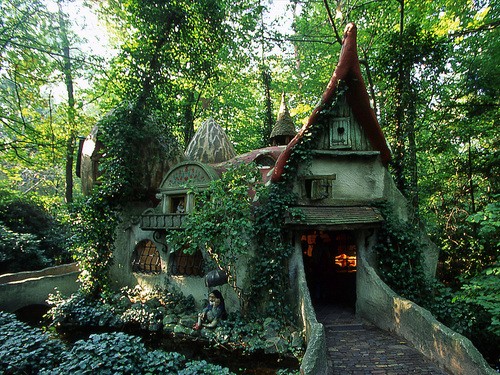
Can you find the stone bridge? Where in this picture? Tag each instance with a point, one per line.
(21, 289)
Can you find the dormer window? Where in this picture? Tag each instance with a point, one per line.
(178, 204)
(265, 161)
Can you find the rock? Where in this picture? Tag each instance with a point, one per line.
(182, 329)
(275, 345)
(169, 319)
(187, 321)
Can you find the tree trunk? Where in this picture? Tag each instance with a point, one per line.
(399, 151)
(71, 113)
(269, 118)
(189, 118)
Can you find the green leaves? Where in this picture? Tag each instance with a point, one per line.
(222, 222)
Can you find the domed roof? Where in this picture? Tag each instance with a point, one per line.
(210, 144)
(284, 124)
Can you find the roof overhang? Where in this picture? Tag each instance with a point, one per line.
(350, 217)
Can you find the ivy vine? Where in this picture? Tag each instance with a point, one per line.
(123, 132)
(222, 221)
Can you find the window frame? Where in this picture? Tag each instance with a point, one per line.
(146, 258)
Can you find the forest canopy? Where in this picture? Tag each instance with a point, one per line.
(431, 69)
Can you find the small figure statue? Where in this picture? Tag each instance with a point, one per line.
(213, 313)
(180, 208)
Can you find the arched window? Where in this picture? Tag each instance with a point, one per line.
(182, 264)
(146, 258)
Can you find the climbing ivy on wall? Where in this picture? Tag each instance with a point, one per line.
(400, 255)
(268, 268)
(472, 311)
(126, 133)
(222, 221)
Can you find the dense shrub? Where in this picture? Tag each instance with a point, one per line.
(25, 350)
(30, 238)
(473, 311)
(174, 314)
(128, 306)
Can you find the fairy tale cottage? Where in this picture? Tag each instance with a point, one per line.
(337, 188)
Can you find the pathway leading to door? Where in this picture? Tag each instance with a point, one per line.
(356, 347)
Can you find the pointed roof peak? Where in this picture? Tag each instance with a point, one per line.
(284, 124)
(210, 144)
(348, 70)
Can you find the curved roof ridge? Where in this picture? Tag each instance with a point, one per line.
(349, 71)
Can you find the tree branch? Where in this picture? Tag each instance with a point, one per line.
(332, 22)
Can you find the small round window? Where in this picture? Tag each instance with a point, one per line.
(146, 258)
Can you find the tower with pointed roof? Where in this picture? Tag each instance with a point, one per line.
(284, 129)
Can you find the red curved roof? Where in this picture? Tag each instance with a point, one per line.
(348, 70)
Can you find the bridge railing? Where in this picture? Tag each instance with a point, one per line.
(33, 287)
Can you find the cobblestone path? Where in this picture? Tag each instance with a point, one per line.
(356, 347)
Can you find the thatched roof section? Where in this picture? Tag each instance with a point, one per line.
(348, 70)
(210, 144)
(284, 124)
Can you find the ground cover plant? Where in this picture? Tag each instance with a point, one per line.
(26, 350)
(173, 315)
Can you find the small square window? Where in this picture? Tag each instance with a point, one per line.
(318, 188)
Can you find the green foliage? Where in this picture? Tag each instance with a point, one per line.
(117, 352)
(473, 311)
(483, 291)
(266, 268)
(94, 222)
(488, 220)
(399, 252)
(31, 238)
(130, 136)
(222, 222)
(25, 350)
(136, 141)
(170, 313)
(145, 309)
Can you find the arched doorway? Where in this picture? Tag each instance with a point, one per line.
(330, 261)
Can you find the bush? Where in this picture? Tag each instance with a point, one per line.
(30, 238)
(114, 310)
(115, 353)
(24, 350)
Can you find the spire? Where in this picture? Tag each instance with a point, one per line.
(284, 129)
(349, 71)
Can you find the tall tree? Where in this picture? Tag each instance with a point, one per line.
(70, 109)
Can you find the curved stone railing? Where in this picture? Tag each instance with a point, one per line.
(314, 361)
(33, 287)
(384, 308)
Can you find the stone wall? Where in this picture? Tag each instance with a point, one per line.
(314, 361)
